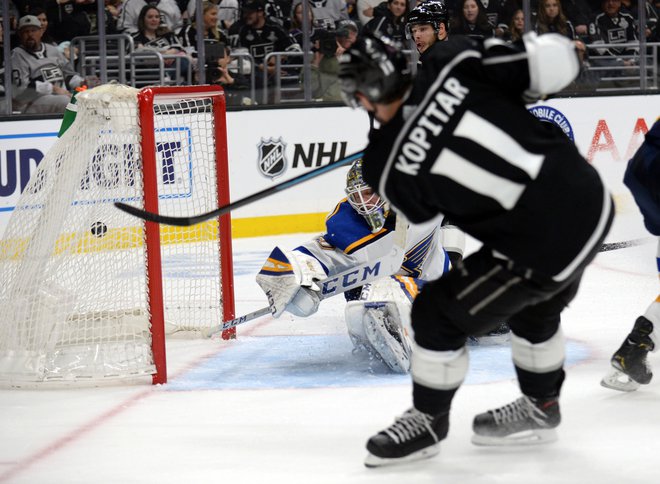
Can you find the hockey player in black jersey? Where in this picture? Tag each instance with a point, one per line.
(472, 152)
(427, 25)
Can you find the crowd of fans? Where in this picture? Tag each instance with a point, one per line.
(42, 30)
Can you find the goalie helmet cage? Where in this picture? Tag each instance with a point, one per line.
(89, 292)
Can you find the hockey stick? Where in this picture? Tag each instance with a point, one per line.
(344, 281)
(625, 244)
(195, 219)
(209, 332)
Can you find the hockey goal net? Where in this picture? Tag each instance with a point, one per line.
(89, 292)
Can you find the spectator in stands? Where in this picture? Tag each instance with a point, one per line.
(113, 7)
(611, 26)
(365, 10)
(551, 18)
(296, 29)
(279, 11)
(579, 12)
(347, 34)
(68, 19)
(188, 35)
(219, 72)
(26, 7)
(389, 19)
(327, 12)
(260, 36)
(228, 13)
(152, 35)
(171, 14)
(42, 76)
(471, 20)
(327, 48)
(40, 13)
(516, 27)
(631, 7)
(498, 13)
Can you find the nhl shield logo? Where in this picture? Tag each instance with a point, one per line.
(272, 160)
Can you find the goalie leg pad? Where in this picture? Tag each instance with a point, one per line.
(387, 338)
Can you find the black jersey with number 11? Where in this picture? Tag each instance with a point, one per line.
(471, 151)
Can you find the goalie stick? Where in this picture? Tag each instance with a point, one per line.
(195, 219)
(344, 281)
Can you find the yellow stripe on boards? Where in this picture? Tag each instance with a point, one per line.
(130, 237)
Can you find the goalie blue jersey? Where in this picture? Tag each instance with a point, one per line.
(348, 242)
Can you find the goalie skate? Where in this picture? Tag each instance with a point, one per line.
(387, 340)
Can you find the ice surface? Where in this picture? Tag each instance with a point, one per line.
(288, 402)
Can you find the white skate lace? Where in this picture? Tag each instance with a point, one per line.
(409, 425)
(518, 410)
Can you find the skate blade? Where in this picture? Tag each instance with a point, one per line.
(426, 453)
(528, 437)
(617, 380)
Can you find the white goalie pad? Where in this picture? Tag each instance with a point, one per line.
(289, 280)
(380, 322)
(553, 62)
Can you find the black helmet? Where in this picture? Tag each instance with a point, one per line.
(432, 12)
(376, 67)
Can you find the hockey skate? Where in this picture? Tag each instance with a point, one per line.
(522, 422)
(413, 436)
(387, 340)
(630, 366)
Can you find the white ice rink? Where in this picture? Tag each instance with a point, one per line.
(288, 403)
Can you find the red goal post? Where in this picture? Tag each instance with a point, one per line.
(91, 292)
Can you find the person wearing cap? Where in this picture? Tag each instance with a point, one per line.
(260, 36)
(41, 76)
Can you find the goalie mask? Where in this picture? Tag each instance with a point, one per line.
(364, 200)
(375, 67)
(432, 12)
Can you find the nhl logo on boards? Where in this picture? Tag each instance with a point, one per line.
(549, 114)
(272, 159)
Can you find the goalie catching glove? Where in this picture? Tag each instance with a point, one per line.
(289, 281)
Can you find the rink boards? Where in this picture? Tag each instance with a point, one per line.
(268, 147)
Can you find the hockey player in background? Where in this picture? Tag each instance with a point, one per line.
(377, 314)
(428, 26)
(473, 152)
(642, 177)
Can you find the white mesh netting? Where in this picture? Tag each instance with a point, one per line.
(73, 267)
